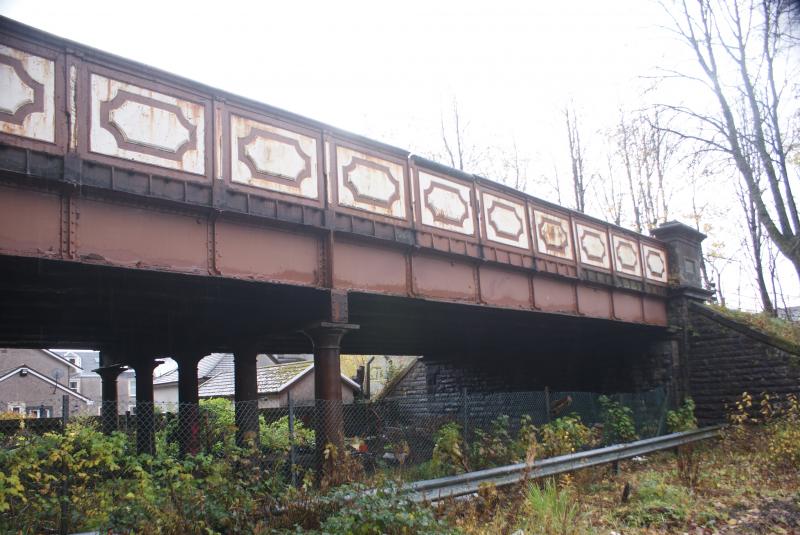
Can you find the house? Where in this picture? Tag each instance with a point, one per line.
(89, 383)
(165, 382)
(25, 390)
(59, 369)
(275, 382)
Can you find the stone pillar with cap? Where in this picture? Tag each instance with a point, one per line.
(685, 263)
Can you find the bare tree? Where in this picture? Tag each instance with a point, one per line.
(459, 151)
(742, 51)
(610, 192)
(577, 155)
(646, 153)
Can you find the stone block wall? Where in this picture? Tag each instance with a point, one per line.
(727, 358)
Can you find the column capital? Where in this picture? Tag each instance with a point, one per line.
(327, 334)
(110, 372)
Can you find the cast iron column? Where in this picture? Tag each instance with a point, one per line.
(145, 419)
(245, 376)
(188, 400)
(108, 406)
(327, 337)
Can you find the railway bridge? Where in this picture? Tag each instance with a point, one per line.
(146, 215)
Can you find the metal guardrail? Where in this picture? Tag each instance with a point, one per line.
(453, 486)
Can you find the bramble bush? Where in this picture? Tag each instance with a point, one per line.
(564, 435)
(618, 425)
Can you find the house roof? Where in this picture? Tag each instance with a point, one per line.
(31, 371)
(210, 365)
(271, 380)
(60, 356)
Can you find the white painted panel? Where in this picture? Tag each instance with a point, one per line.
(273, 158)
(505, 221)
(370, 183)
(146, 126)
(655, 263)
(445, 204)
(626, 256)
(21, 74)
(592, 246)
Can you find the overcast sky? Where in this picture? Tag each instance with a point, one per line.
(387, 70)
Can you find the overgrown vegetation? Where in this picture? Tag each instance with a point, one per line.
(788, 331)
(226, 489)
(618, 425)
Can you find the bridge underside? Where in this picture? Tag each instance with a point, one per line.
(53, 303)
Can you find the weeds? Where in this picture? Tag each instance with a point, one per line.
(551, 510)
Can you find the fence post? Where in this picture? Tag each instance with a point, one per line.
(466, 411)
(547, 404)
(292, 452)
(64, 484)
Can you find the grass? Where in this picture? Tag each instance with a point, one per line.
(782, 329)
(735, 479)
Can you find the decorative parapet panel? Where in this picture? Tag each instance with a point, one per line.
(368, 181)
(28, 96)
(445, 203)
(553, 234)
(504, 220)
(271, 158)
(139, 124)
(592, 246)
(626, 256)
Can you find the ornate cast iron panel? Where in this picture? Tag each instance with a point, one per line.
(553, 236)
(27, 98)
(504, 221)
(592, 246)
(626, 256)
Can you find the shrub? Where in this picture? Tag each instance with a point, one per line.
(618, 423)
(384, 511)
(494, 447)
(564, 435)
(449, 452)
(33, 470)
(783, 434)
(682, 418)
(275, 436)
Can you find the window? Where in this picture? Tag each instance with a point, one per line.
(73, 385)
(39, 412)
(132, 388)
(16, 407)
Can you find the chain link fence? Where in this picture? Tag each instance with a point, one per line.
(399, 433)
(301, 443)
